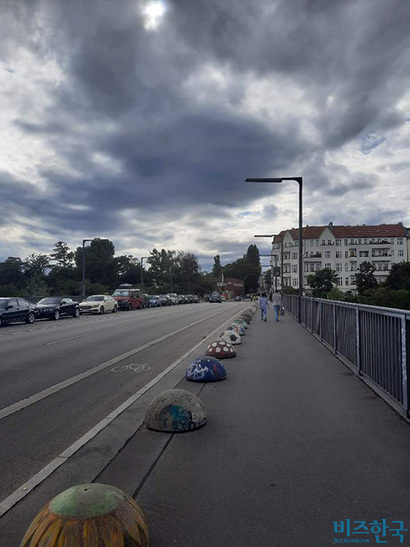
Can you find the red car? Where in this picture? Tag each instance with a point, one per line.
(128, 298)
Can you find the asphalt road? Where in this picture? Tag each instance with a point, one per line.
(59, 379)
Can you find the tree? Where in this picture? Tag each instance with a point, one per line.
(252, 255)
(127, 270)
(217, 268)
(99, 262)
(322, 282)
(161, 263)
(12, 272)
(36, 265)
(189, 271)
(366, 279)
(62, 257)
(399, 277)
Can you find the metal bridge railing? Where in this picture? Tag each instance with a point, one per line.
(375, 340)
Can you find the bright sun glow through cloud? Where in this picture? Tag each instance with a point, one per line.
(153, 14)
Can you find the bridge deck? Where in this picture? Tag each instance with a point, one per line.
(294, 442)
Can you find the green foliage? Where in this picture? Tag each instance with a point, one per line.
(322, 282)
(268, 280)
(390, 299)
(289, 290)
(217, 268)
(12, 273)
(99, 261)
(247, 269)
(399, 277)
(335, 294)
(366, 279)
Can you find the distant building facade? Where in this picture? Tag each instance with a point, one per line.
(341, 248)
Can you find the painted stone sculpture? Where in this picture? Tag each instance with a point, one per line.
(237, 328)
(205, 369)
(89, 514)
(175, 410)
(243, 324)
(230, 336)
(220, 350)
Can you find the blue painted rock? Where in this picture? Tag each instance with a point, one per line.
(220, 350)
(230, 336)
(89, 514)
(205, 369)
(175, 410)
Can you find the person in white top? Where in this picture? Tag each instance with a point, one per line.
(277, 304)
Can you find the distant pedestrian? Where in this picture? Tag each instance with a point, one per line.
(277, 304)
(263, 305)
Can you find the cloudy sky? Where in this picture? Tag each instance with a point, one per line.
(140, 120)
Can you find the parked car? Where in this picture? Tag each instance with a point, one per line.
(128, 298)
(189, 298)
(99, 303)
(173, 298)
(155, 301)
(54, 307)
(196, 299)
(165, 300)
(181, 299)
(14, 310)
(145, 300)
(215, 297)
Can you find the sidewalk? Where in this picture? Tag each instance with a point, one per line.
(294, 441)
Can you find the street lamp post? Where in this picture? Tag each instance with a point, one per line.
(142, 272)
(83, 263)
(299, 180)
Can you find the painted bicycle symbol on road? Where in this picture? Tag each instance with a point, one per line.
(136, 368)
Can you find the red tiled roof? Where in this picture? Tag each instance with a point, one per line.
(381, 230)
(314, 232)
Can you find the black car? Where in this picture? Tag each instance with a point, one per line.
(55, 307)
(13, 310)
(215, 298)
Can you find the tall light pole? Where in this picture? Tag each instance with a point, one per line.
(142, 272)
(83, 263)
(299, 180)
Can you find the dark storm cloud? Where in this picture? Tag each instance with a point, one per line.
(126, 120)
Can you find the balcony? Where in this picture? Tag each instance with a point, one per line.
(313, 256)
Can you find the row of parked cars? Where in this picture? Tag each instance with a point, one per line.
(16, 309)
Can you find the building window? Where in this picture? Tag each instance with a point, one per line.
(338, 254)
(327, 254)
(346, 267)
(295, 282)
(338, 242)
(338, 267)
(328, 265)
(392, 252)
(346, 242)
(359, 241)
(365, 241)
(346, 281)
(294, 268)
(317, 243)
(346, 254)
(294, 256)
(363, 253)
(339, 281)
(353, 266)
(329, 242)
(352, 279)
(323, 241)
(400, 252)
(399, 241)
(311, 242)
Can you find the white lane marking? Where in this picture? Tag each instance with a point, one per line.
(66, 339)
(136, 368)
(15, 407)
(35, 480)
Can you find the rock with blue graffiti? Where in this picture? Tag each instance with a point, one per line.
(205, 369)
(175, 411)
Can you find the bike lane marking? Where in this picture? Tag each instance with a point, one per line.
(39, 477)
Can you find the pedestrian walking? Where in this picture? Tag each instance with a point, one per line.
(277, 304)
(263, 305)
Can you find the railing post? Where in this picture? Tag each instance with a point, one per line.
(404, 364)
(334, 329)
(358, 340)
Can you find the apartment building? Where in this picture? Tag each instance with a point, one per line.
(341, 248)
